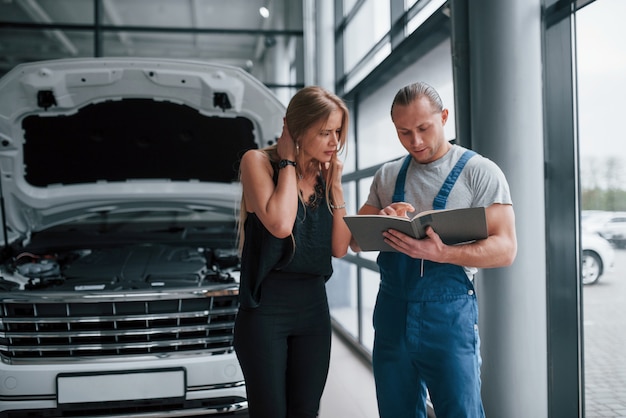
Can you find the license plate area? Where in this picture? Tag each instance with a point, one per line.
(121, 386)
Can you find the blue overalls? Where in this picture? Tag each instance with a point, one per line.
(426, 330)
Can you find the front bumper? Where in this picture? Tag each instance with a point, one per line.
(193, 384)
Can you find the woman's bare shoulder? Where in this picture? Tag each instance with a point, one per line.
(256, 161)
(256, 156)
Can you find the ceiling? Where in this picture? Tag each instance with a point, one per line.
(227, 31)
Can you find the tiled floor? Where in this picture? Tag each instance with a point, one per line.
(349, 391)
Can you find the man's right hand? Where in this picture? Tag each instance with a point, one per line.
(398, 209)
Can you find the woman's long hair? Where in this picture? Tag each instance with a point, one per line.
(310, 107)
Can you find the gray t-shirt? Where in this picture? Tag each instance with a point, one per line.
(481, 183)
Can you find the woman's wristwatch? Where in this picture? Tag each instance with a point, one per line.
(285, 163)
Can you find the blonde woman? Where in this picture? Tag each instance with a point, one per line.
(291, 226)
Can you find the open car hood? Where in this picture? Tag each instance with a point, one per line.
(113, 135)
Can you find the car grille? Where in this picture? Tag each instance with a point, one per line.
(70, 325)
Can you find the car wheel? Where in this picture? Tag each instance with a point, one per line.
(591, 267)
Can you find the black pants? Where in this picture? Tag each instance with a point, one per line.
(283, 347)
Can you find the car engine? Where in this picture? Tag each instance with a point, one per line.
(133, 267)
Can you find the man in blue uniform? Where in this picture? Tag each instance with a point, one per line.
(426, 314)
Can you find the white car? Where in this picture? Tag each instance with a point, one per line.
(609, 224)
(119, 269)
(598, 257)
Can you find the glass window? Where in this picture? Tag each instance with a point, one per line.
(369, 290)
(349, 153)
(366, 67)
(601, 74)
(347, 6)
(424, 13)
(369, 25)
(343, 296)
(377, 139)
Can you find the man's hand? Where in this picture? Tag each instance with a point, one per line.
(429, 248)
(398, 209)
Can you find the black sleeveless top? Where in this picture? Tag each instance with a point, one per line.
(263, 253)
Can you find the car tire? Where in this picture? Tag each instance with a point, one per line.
(591, 267)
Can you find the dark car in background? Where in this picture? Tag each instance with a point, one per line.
(119, 267)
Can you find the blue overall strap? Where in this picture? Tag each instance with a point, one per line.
(398, 192)
(442, 197)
